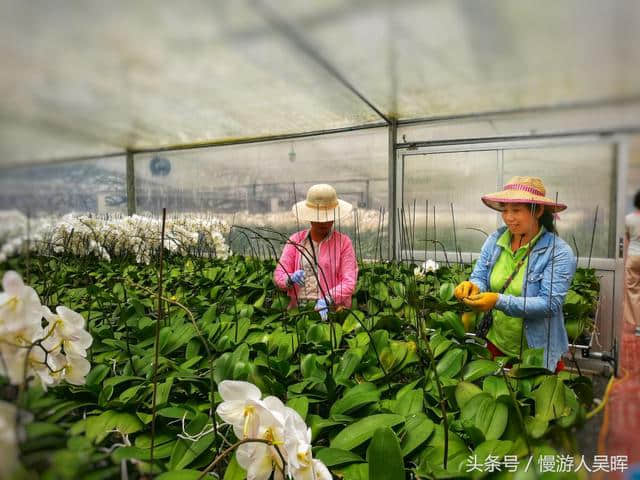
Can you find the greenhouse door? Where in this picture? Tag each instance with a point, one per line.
(440, 213)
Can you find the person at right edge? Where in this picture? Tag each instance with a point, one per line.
(522, 276)
(632, 266)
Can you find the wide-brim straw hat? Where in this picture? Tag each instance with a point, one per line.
(322, 205)
(522, 190)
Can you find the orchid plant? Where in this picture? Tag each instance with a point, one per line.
(281, 443)
(137, 236)
(35, 344)
(428, 266)
(49, 351)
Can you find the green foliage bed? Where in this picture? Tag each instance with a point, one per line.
(397, 368)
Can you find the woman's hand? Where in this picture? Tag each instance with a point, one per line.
(482, 302)
(297, 277)
(464, 289)
(322, 308)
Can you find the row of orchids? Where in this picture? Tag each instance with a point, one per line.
(36, 345)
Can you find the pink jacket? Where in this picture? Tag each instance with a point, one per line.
(336, 259)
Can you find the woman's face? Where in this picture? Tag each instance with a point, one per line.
(519, 219)
(322, 228)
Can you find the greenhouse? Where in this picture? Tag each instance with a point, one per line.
(340, 239)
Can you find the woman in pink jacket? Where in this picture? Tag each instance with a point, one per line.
(319, 264)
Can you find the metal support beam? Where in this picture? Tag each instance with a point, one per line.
(393, 185)
(621, 171)
(131, 185)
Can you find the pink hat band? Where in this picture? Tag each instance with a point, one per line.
(524, 188)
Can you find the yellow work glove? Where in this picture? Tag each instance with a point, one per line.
(469, 321)
(482, 302)
(464, 289)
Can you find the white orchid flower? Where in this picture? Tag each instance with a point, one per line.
(252, 417)
(418, 272)
(19, 364)
(20, 308)
(278, 409)
(76, 369)
(298, 446)
(260, 460)
(46, 368)
(288, 437)
(257, 459)
(242, 407)
(66, 329)
(293, 438)
(301, 464)
(430, 266)
(12, 363)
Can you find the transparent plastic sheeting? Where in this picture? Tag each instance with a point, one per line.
(262, 175)
(436, 181)
(90, 77)
(583, 176)
(88, 186)
(150, 74)
(255, 185)
(251, 185)
(422, 59)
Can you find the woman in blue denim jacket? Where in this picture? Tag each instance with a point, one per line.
(535, 295)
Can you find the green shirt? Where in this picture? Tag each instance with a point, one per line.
(506, 332)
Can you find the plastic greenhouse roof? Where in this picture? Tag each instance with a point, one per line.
(88, 78)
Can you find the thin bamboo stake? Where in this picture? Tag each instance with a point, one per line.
(157, 343)
(413, 233)
(553, 263)
(455, 235)
(435, 234)
(593, 234)
(426, 228)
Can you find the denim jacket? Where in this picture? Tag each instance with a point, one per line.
(546, 284)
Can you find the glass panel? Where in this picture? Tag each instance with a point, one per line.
(583, 176)
(442, 180)
(253, 184)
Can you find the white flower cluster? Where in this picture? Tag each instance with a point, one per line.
(17, 232)
(13, 224)
(49, 351)
(139, 236)
(268, 419)
(428, 266)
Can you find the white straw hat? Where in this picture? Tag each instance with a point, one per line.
(322, 205)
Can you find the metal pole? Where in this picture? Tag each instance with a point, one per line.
(368, 194)
(393, 170)
(620, 173)
(131, 184)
